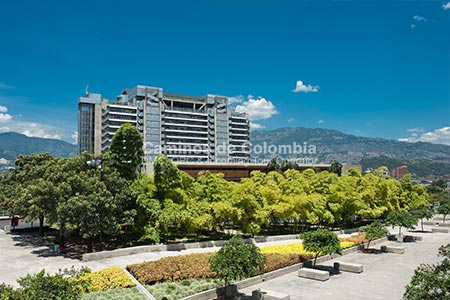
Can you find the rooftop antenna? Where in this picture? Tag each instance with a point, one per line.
(87, 89)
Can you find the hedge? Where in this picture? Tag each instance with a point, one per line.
(110, 278)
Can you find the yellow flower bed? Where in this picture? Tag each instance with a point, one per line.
(111, 278)
(294, 248)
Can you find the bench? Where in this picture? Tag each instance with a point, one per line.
(348, 267)
(390, 249)
(314, 274)
(441, 230)
(269, 295)
(412, 238)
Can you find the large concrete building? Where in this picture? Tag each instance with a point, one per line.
(187, 129)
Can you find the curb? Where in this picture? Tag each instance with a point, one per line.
(140, 287)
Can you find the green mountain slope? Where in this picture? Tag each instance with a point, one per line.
(13, 144)
(334, 145)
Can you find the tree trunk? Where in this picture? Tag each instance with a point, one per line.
(421, 223)
(368, 243)
(41, 226)
(101, 240)
(61, 235)
(89, 245)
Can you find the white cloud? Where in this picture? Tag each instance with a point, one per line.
(5, 118)
(321, 121)
(236, 99)
(32, 129)
(446, 5)
(291, 120)
(418, 130)
(257, 108)
(419, 18)
(438, 136)
(256, 126)
(413, 25)
(302, 88)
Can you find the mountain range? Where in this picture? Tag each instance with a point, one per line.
(422, 158)
(13, 144)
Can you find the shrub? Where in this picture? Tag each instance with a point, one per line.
(321, 242)
(42, 286)
(174, 268)
(180, 289)
(355, 239)
(236, 260)
(111, 278)
(277, 261)
(8, 293)
(116, 294)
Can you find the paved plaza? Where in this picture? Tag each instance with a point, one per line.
(384, 277)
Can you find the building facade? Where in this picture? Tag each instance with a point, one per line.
(187, 129)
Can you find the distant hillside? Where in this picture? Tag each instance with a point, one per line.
(334, 145)
(13, 144)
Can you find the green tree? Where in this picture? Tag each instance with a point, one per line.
(321, 242)
(336, 168)
(374, 231)
(148, 209)
(236, 260)
(93, 202)
(444, 209)
(422, 213)
(126, 150)
(30, 192)
(401, 218)
(431, 282)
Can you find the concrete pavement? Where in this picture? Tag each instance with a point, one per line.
(384, 276)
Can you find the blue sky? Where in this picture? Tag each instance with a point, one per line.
(369, 68)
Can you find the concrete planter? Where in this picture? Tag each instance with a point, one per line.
(228, 292)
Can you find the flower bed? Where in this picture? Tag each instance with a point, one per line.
(196, 266)
(111, 278)
(184, 288)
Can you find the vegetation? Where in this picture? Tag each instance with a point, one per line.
(321, 242)
(374, 231)
(336, 168)
(236, 260)
(13, 144)
(43, 286)
(111, 278)
(196, 266)
(180, 289)
(126, 150)
(107, 199)
(422, 213)
(444, 209)
(431, 281)
(173, 268)
(116, 294)
(401, 218)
